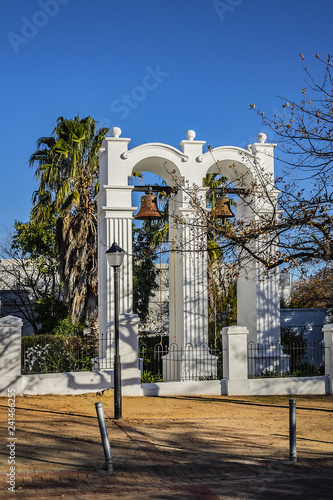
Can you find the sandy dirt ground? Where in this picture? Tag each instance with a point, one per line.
(61, 432)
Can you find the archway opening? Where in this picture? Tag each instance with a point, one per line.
(151, 259)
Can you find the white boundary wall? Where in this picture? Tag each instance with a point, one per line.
(235, 381)
(75, 383)
(234, 340)
(276, 386)
(251, 387)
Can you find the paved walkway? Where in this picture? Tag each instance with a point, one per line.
(156, 477)
(164, 479)
(229, 480)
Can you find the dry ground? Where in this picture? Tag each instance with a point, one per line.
(61, 432)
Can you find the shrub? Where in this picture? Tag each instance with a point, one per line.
(148, 377)
(56, 353)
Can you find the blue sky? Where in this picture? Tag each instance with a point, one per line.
(186, 64)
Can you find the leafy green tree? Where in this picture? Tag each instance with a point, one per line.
(49, 312)
(38, 243)
(29, 276)
(67, 170)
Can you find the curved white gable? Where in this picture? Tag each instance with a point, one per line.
(235, 163)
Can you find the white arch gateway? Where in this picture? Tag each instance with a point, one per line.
(257, 299)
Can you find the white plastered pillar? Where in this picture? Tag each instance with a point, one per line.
(189, 296)
(328, 343)
(234, 341)
(189, 273)
(194, 281)
(115, 214)
(176, 292)
(258, 300)
(10, 356)
(188, 279)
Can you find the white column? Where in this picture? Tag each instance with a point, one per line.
(188, 273)
(114, 225)
(176, 290)
(10, 355)
(258, 298)
(115, 215)
(188, 298)
(328, 339)
(187, 280)
(119, 230)
(258, 306)
(195, 306)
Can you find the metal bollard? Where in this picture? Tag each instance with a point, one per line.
(292, 430)
(104, 436)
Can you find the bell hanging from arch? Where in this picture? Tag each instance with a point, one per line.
(222, 209)
(148, 209)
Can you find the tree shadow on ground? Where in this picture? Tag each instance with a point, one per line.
(250, 403)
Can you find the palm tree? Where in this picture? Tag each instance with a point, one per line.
(67, 171)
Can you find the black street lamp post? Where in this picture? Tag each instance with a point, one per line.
(115, 257)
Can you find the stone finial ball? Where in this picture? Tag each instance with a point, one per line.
(261, 137)
(190, 135)
(116, 131)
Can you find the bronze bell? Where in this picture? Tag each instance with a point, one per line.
(148, 209)
(222, 209)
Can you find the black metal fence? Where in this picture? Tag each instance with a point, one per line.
(105, 353)
(63, 353)
(167, 363)
(297, 359)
